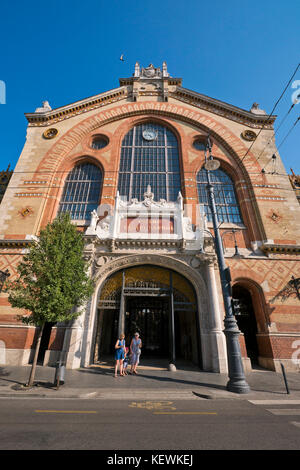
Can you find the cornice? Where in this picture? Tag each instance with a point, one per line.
(198, 100)
(223, 109)
(74, 109)
(129, 81)
(132, 243)
(15, 243)
(276, 248)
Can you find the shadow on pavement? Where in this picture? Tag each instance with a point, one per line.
(38, 384)
(4, 373)
(143, 375)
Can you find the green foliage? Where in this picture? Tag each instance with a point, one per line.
(53, 275)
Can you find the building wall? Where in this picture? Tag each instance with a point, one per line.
(269, 238)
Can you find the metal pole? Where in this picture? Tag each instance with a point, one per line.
(121, 324)
(285, 379)
(236, 253)
(237, 382)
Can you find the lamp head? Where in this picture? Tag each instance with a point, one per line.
(208, 143)
(212, 164)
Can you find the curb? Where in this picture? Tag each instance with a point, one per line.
(140, 394)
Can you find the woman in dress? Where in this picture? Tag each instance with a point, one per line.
(135, 349)
(119, 354)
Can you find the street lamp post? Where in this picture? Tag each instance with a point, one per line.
(237, 381)
(237, 254)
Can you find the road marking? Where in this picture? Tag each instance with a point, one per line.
(51, 398)
(152, 405)
(284, 411)
(296, 423)
(184, 413)
(65, 411)
(274, 402)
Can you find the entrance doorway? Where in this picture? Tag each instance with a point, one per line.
(149, 316)
(246, 321)
(44, 342)
(157, 303)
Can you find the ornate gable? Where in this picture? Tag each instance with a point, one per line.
(157, 84)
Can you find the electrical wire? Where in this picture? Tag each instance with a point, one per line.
(266, 122)
(193, 183)
(271, 113)
(274, 155)
(111, 172)
(292, 128)
(272, 138)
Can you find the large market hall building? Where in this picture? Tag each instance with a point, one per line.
(128, 166)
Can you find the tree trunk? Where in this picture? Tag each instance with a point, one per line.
(37, 348)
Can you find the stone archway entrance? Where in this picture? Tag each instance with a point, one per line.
(158, 303)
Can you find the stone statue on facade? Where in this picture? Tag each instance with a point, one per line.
(45, 108)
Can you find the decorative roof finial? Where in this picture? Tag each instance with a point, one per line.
(256, 109)
(46, 107)
(137, 70)
(165, 70)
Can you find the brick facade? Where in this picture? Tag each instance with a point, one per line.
(269, 238)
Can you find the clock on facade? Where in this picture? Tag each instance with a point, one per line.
(149, 134)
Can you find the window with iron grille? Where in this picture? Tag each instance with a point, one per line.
(226, 202)
(81, 192)
(149, 156)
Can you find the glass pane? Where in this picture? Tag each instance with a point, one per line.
(82, 188)
(226, 203)
(199, 145)
(149, 155)
(99, 143)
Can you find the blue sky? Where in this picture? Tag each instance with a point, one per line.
(63, 51)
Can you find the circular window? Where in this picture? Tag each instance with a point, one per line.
(99, 142)
(50, 133)
(248, 135)
(199, 144)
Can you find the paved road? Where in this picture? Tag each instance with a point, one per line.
(48, 424)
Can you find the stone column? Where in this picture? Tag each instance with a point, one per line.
(78, 336)
(121, 323)
(217, 337)
(72, 346)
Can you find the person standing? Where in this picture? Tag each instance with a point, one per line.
(119, 354)
(135, 349)
(126, 361)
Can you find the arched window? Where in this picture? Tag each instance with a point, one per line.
(81, 192)
(225, 198)
(149, 156)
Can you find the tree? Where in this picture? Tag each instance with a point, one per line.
(52, 279)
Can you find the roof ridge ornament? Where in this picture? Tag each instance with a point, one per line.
(137, 70)
(45, 108)
(255, 109)
(165, 70)
(151, 71)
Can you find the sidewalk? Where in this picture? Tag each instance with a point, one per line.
(98, 382)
